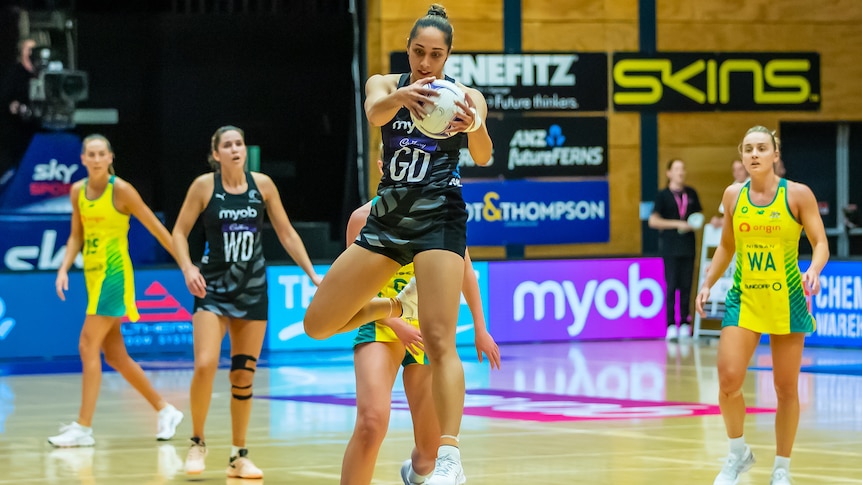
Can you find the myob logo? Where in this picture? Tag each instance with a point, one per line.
(595, 293)
(236, 214)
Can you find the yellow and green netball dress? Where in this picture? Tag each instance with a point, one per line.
(767, 294)
(107, 265)
(377, 332)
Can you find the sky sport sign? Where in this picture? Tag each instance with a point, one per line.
(708, 81)
(535, 81)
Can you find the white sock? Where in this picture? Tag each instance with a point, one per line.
(737, 445)
(165, 409)
(234, 450)
(414, 477)
(449, 450)
(85, 428)
(782, 462)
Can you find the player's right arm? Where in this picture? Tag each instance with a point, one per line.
(194, 204)
(383, 97)
(73, 244)
(725, 250)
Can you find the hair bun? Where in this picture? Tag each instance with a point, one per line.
(437, 10)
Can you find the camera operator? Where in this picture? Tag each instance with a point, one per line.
(17, 125)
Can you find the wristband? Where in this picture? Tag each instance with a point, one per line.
(477, 122)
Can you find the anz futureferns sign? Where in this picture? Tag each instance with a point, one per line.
(693, 81)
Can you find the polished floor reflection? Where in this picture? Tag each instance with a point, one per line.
(638, 412)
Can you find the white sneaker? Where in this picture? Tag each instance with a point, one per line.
(685, 331)
(447, 471)
(169, 462)
(672, 333)
(242, 467)
(169, 418)
(734, 466)
(196, 458)
(409, 299)
(405, 473)
(780, 476)
(72, 435)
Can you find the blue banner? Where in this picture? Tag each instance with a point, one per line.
(50, 166)
(529, 212)
(290, 292)
(38, 242)
(35, 323)
(838, 307)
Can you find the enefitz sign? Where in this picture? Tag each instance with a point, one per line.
(546, 81)
(705, 81)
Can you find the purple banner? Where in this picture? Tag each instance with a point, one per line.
(577, 300)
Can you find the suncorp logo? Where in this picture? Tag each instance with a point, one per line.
(494, 210)
(248, 213)
(531, 148)
(594, 294)
(22, 258)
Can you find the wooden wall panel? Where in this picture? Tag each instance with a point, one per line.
(707, 141)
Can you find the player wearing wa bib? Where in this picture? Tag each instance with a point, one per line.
(377, 332)
(233, 263)
(767, 294)
(420, 206)
(107, 265)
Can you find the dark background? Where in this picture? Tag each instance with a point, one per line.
(176, 70)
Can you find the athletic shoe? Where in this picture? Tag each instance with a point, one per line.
(169, 462)
(672, 333)
(734, 466)
(780, 476)
(169, 418)
(196, 458)
(409, 299)
(241, 467)
(447, 471)
(405, 473)
(685, 331)
(72, 435)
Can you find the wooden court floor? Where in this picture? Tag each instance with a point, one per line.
(586, 413)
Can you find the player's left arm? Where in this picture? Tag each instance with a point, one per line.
(287, 235)
(129, 201)
(808, 213)
(473, 121)
(484, 341)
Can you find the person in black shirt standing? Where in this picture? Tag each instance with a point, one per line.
(673, 206)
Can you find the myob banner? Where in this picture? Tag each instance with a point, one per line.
(540, 301)
(543, 147)
(528, 81)
(291, 291)
(529, 212)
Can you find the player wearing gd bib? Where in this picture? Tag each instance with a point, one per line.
(763, 220)
(767, 294)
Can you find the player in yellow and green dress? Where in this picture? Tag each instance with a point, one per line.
(763, 221)
(101, 206)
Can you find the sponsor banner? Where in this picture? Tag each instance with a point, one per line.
(543, 147)
(50, 166)
(38, 242)
(709, 81)
(837, 309)
(527, 212)
(291, 291)
(535, 301)
(35, 323)
(534, 81)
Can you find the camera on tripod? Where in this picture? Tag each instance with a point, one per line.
(55, 91)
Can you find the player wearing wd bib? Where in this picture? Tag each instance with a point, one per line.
(378, 332)
(107, 265)
(233, 264)
(767, 294)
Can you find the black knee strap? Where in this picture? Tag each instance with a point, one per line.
(239, 361)
(242, 398)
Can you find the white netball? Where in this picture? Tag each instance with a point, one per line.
(442, 112)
